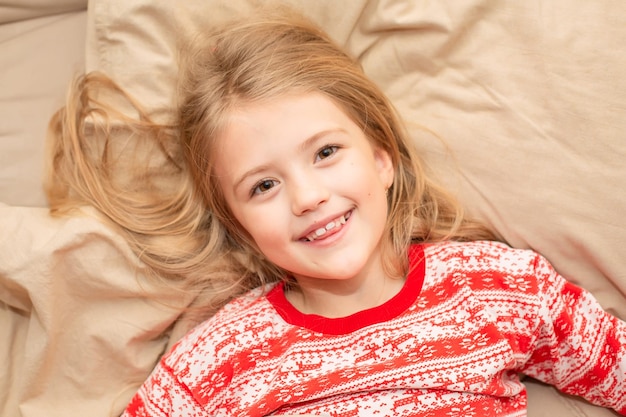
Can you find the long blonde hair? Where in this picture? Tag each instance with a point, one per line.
(176, 218)
(258, 60)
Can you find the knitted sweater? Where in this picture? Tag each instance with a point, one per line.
(470, 317)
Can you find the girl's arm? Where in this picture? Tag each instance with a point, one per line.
(157, 396)
(579, 347)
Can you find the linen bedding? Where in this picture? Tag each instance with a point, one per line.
(518, 107)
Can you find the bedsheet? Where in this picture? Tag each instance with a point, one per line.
(519, 107)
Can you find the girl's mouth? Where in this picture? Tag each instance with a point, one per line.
(331, 226)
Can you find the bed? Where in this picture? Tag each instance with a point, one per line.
(519, 107)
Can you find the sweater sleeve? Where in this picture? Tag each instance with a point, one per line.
(579, 347)
(161, 395)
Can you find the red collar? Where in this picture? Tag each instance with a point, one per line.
(344, 325)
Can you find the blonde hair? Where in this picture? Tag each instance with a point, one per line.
(255, 61)
(175, 217)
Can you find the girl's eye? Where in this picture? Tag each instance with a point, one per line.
(263, 186)
(326, 152)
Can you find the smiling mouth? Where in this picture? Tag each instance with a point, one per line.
(331, 226)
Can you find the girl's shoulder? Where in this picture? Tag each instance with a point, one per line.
(487, 262)
(239, 316)
(481, 253)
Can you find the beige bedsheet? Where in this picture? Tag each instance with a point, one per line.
(527, 102)
(81, 326)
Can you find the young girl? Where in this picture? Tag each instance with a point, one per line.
(360, 289)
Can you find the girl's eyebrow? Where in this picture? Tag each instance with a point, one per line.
(249, 173)
(311, 141)
(303, 146)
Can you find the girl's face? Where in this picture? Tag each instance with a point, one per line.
(309, 188)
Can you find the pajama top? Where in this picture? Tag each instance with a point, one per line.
(469, 318)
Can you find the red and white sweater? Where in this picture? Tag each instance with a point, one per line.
(470, 317)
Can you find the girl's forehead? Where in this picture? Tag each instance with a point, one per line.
(299, 113)
(286, 123)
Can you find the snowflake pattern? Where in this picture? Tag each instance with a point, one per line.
(484, 313)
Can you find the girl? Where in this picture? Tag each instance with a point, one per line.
(349, 284)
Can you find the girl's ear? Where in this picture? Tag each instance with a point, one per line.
(384, 165)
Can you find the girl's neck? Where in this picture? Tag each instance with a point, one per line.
(334, 299)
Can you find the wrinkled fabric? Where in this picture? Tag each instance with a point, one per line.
(516, 106)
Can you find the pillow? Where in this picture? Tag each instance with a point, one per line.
(14, 10)
(136, 42)
(524, 101)
(38, 57)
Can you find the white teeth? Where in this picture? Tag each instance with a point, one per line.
(331, 225)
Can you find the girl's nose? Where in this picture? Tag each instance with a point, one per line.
(307, 195)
